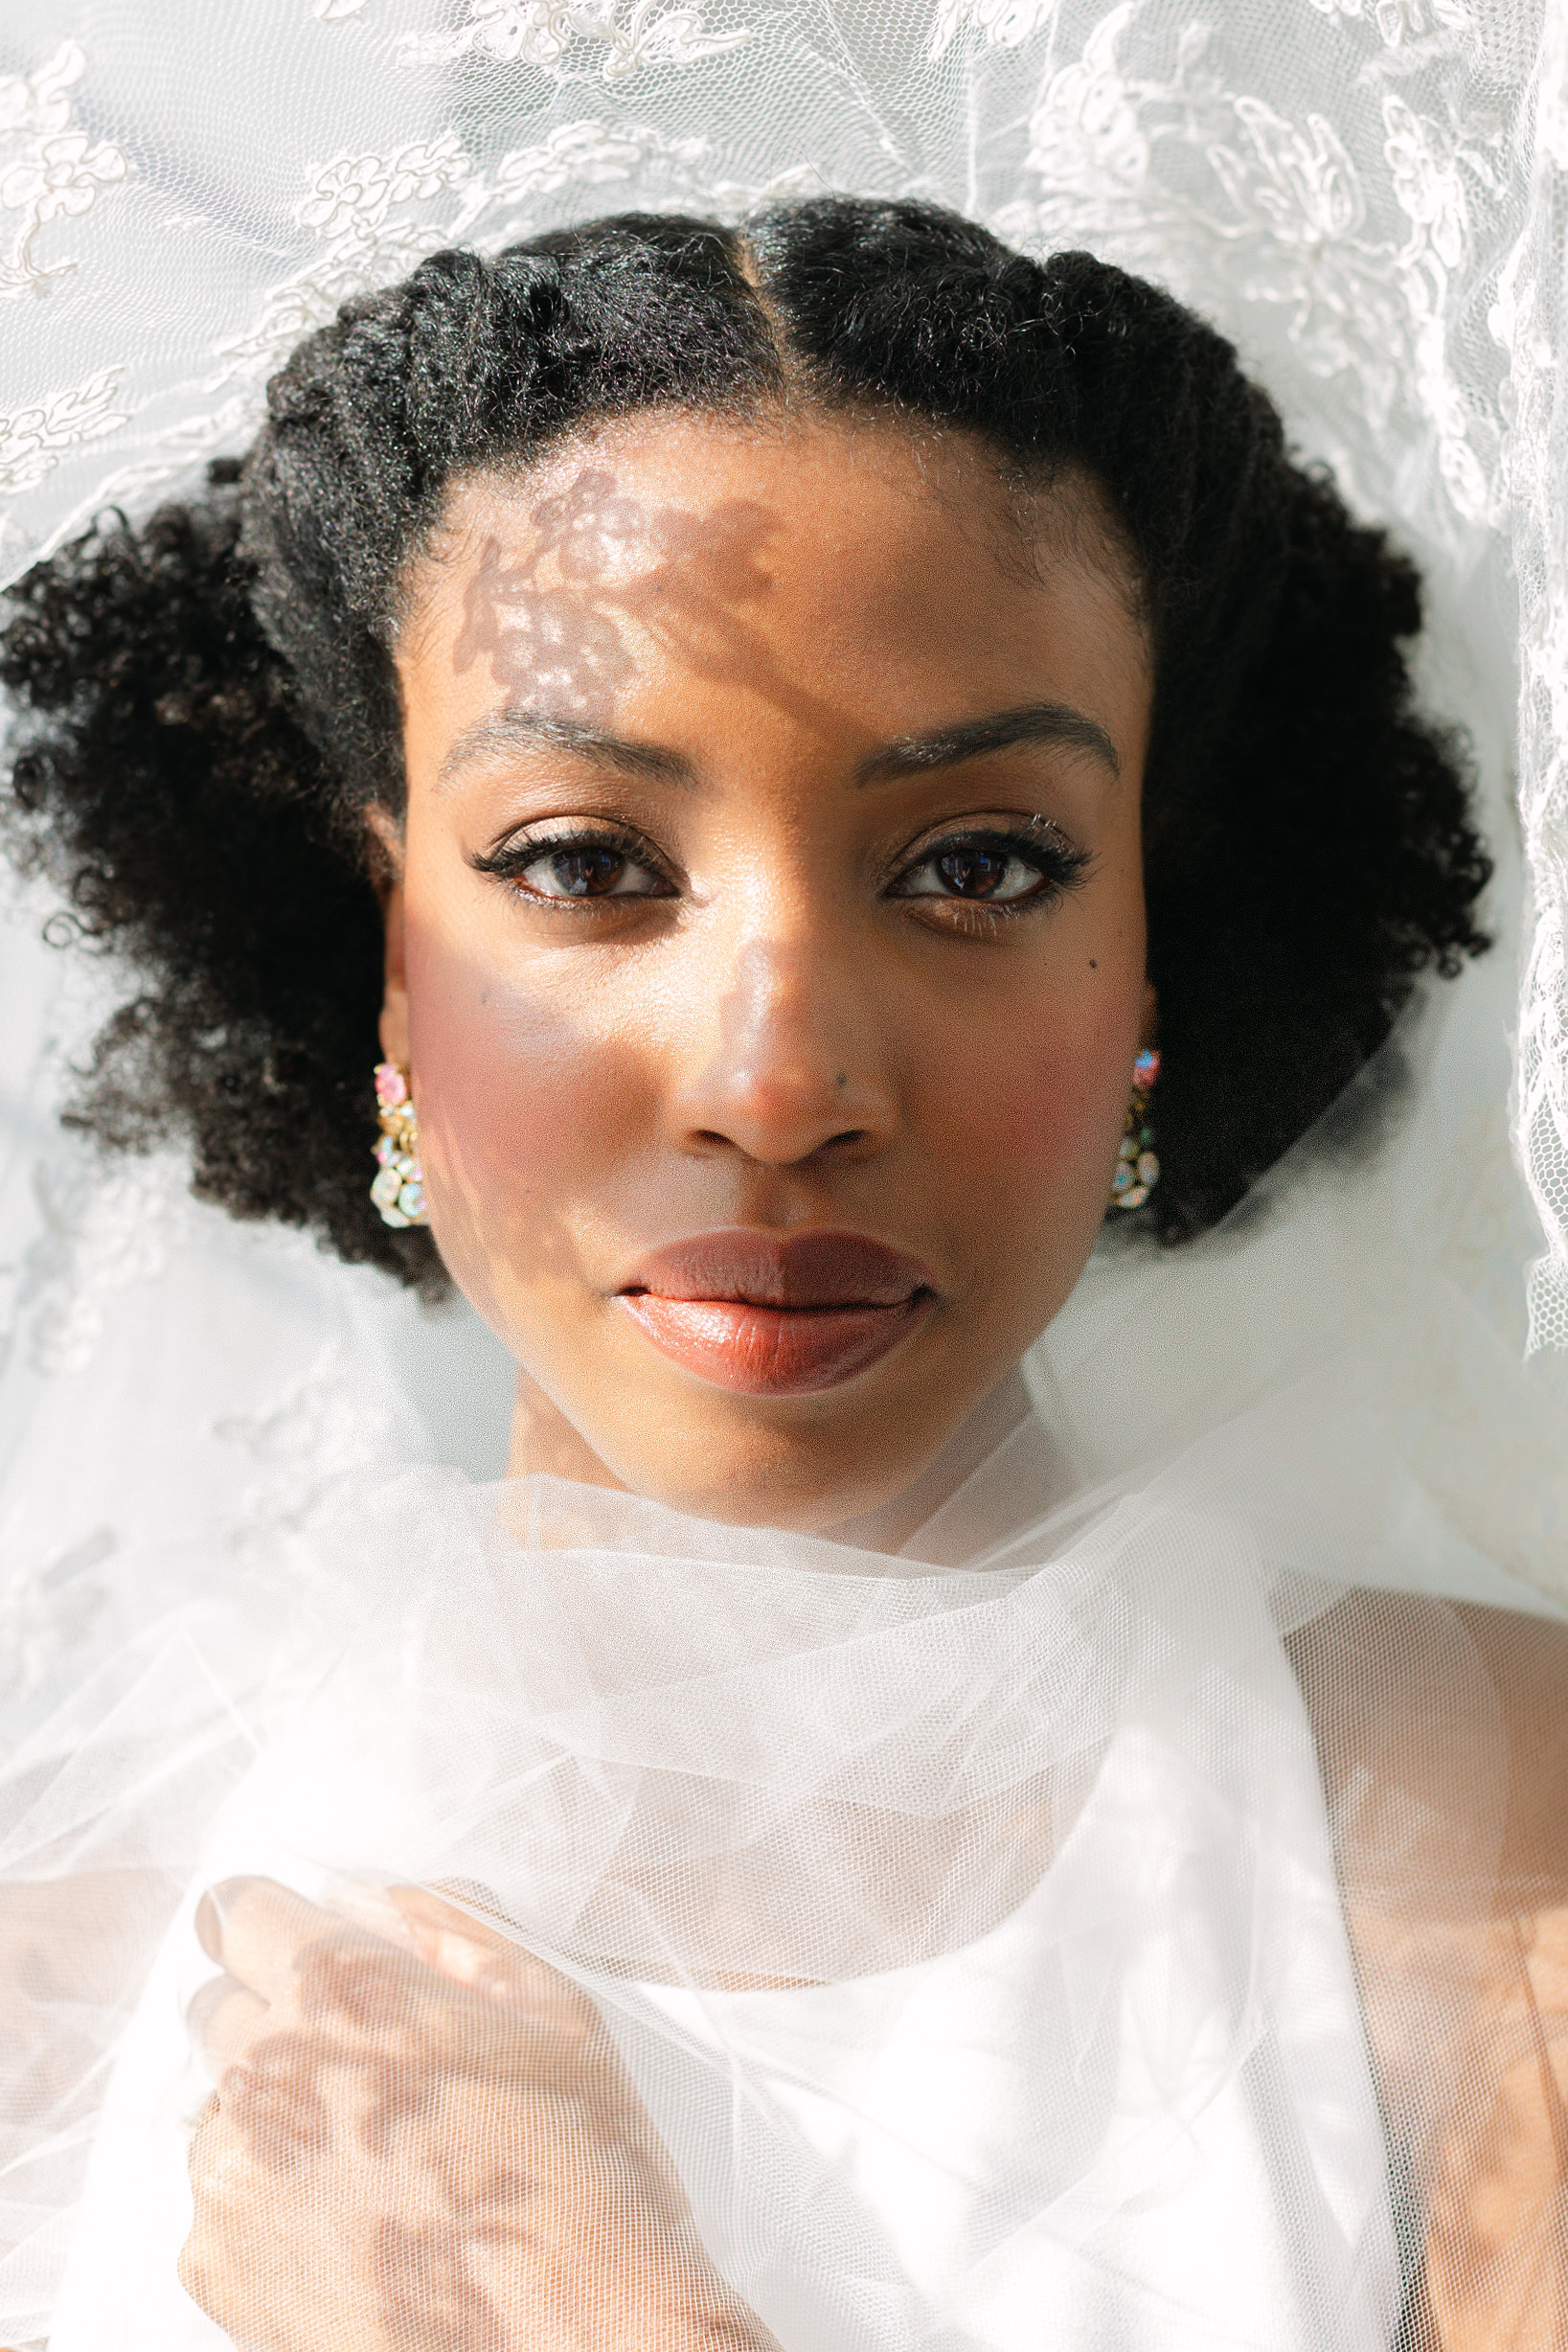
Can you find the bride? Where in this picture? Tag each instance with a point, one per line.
(742, 796)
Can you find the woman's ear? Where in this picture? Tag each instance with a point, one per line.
(387, 872)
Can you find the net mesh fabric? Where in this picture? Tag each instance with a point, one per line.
(1001, 1969)
(632, 1932)
(1135, 1916)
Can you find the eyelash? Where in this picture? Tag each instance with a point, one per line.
(509, 860)
(1037, 842)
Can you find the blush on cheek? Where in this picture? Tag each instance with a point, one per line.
(1041, 1120)
(1027, 1159)
(518, 1108)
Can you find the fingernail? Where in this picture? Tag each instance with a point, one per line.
(211, 1910)
(228, 1891)
(210, 1928)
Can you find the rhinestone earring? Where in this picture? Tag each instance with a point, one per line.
(399, 1189)
(1137, 1169)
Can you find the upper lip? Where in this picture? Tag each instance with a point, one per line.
(812, 1268)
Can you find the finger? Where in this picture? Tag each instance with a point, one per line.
(258, 1929)
(428, 1910)
(223, 2020)
(211, 2140)
(448, 1939)
(469, 1951)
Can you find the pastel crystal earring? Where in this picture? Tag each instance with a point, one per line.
(399, 1189)
(1137, 1168)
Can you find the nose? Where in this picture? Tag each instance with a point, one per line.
(793, 1069)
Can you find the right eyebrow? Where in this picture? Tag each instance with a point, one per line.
(506, 729)
(971, 739)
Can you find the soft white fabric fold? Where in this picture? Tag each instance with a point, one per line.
(1052, 2021)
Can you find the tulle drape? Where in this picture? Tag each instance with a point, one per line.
(1053, 1924)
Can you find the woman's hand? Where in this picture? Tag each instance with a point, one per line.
(428, 2150)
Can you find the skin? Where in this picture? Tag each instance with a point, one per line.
(427, 2138)
(1445, 1769)
(762, 614)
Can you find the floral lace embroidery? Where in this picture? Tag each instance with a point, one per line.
(320, 1430)
(593, 154)
(48, 169)
(100, 1235)
(1006, 23)
(1371, 202)
(34, 440)
(544, 33)
(1403, 20)
(47, 1610)
(1285, 206)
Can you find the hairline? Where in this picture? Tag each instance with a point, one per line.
(1056, 506)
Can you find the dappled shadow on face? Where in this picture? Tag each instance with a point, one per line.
(558, 624)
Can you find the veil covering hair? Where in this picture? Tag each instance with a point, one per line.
(969, 1922)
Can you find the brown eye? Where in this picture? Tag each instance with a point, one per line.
(980, 873)
(575, 867)
(589, 873)
(985, 869)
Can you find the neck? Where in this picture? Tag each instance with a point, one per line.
(889, 1527)
(543, 1439)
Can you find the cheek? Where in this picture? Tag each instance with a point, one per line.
(522, 1107)
(1030, 1119)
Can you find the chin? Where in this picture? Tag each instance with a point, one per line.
(751, 1471)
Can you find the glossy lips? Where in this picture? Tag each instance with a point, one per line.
(774, 1314)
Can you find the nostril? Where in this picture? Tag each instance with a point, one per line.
(715, 1139)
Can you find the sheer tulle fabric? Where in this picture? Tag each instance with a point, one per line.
(972, 1936)
(1048, 1930)
(973, 1939)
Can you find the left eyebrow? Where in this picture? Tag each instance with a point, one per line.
(505, 729)
(1033, 722)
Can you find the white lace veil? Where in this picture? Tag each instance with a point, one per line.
(205, 1429)
(1366, 193)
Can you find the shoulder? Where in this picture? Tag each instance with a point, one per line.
(1526, 1661)
(1461, 1710)
(1442, 1732)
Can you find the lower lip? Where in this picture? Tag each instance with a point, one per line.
(774, 1351)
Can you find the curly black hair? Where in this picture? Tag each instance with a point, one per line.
(208, 701)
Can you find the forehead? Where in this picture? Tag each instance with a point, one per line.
(828, 565)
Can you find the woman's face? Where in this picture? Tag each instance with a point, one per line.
(767, 952)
